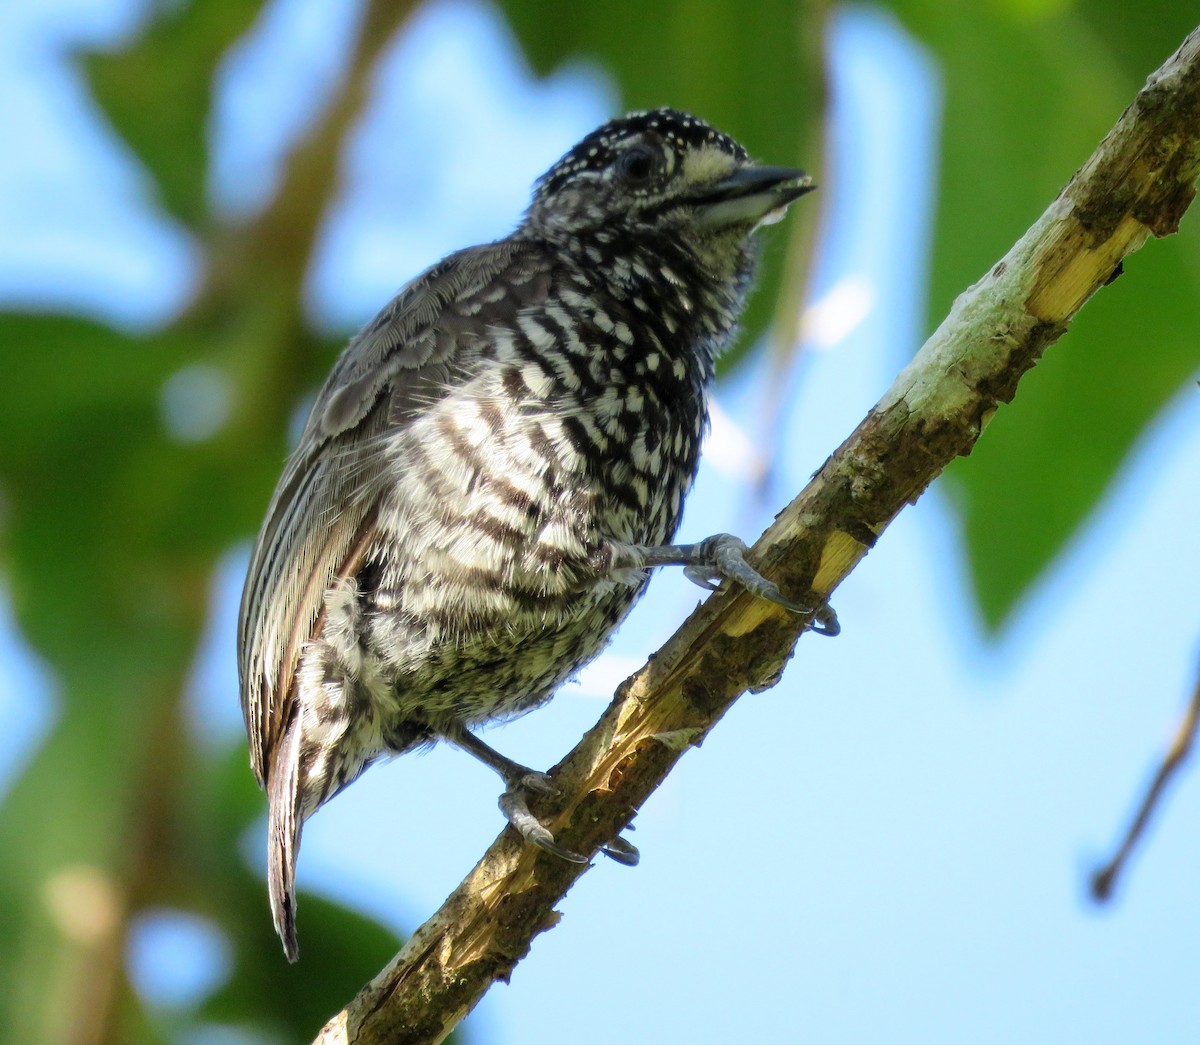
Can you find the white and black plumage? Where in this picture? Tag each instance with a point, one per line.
(491, 467)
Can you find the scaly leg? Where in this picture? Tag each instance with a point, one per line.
(520, 781)
(721, 557)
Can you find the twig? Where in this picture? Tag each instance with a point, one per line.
(279, 243)
(1104, 880)
(1138, 182)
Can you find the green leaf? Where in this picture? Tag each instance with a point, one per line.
(157, 93)
(1029, 94)
(111, 531)
(341, 950)
(88, 475)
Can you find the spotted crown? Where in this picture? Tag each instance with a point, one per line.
(598, 150)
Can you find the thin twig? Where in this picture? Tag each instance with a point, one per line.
(1104, 880)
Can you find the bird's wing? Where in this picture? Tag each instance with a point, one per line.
(320, 522)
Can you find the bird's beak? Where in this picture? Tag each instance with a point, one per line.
(750, 196)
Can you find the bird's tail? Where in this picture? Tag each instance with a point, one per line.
(284, 822)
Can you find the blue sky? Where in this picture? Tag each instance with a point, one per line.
(891, 845)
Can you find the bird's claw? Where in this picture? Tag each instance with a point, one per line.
(516, 809)
(514, 806)
(723, 557)
(825, 621)
(624, 852)
(702, 576)
(538, 783)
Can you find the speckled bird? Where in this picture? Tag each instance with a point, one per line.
(491, 469)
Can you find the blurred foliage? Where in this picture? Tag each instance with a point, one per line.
(1030, 90)
(112, 527)
(156, 94)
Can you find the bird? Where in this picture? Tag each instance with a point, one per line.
(493, 466)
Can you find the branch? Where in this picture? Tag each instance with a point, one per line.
(251, 300)
(1138, 182)
(280, 241)
(1104, 880)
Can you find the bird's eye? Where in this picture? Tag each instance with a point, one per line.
(637, 164)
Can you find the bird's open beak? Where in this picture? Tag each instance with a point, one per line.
(750, 196)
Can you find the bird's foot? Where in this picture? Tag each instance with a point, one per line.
(722, 557)
(521, 782)
(622, 850)
(514, 805)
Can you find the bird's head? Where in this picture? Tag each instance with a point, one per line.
(661, 173)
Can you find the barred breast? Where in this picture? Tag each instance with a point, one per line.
(581, 427)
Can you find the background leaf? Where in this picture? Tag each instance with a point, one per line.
(157, 90)
(1029, 91)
